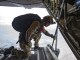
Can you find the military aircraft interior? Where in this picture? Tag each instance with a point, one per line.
(67, 16)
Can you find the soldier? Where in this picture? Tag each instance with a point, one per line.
(30, 27)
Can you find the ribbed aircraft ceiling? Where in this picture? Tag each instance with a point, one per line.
(25, 1)
(22, 3)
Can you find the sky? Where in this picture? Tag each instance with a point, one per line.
(8, 36)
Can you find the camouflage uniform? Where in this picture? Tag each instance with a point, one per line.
(25, 44)
(30, 27)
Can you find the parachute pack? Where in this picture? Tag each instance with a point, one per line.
(23, 22)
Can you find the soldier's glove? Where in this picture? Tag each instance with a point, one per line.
(52, 36)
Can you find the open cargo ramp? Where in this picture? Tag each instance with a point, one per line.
(43, 53)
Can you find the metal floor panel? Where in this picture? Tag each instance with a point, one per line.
(40, 54)
(33, 57)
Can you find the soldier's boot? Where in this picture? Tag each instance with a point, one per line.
(8, 51)
(25, 51)
(36, 46)
(20, 54)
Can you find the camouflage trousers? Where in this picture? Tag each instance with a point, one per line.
(25, 51)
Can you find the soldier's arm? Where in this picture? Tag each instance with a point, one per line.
(47, 33)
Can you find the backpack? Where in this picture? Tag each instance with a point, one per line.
(23, 22)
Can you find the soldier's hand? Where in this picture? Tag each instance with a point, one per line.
(52, 36)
